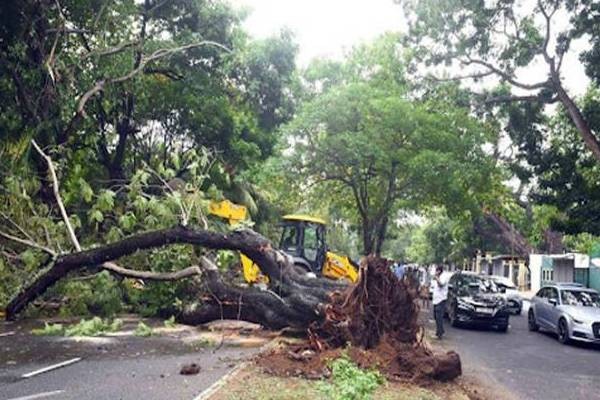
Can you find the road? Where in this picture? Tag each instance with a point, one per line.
(531, 365)
(125, 368)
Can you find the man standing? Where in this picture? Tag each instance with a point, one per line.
(399, 269)
(440, 294)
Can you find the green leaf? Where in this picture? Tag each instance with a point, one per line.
(106, 200)
(96, 215)
(85, 190)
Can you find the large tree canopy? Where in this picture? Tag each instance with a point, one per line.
(376, 150)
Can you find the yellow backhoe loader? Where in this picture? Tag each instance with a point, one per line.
(302, 237)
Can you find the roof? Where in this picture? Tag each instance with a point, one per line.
(507, 257)
(303, 217)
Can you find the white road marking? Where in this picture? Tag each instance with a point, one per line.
(39, 395)
(51, 367)
(7, 333)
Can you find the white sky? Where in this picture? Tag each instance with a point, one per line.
(329, 28)
(323, 27)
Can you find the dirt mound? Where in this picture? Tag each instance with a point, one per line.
(378, 317)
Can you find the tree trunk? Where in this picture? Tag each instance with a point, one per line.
(380, 234)
(292, 299)
(591, 141)
(367, 236)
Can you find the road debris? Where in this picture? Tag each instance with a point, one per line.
(190, 369)
(51, 368)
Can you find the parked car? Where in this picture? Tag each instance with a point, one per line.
(476, 299)
(510, 292)
(569, 310)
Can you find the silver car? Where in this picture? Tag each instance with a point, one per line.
(567, 309)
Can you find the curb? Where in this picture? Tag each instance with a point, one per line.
(212, 389)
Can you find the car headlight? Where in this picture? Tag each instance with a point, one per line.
(577, 321)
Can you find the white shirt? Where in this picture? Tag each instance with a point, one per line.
(440, 290)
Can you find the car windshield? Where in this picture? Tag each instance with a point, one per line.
(580, 298)
(476, 284)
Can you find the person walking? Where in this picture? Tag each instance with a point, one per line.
(440, 294)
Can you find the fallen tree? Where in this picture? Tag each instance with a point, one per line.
(292, 298)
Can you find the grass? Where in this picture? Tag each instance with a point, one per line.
(349, 382)
(253, 384)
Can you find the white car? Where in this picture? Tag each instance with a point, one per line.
(510, 293)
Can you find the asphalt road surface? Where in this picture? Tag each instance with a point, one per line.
(129, 368)
(531, 365)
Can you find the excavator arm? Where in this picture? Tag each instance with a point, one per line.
(234, 214)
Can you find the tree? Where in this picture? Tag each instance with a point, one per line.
(369, 143)
(86, 76)
(499, 38)
(126, 96)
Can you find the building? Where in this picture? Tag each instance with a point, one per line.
(509, 266)
(568, 267)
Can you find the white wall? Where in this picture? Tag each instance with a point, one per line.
(582, 260)
(535, 267)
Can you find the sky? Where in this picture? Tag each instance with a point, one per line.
(329, 28)
(323, 27)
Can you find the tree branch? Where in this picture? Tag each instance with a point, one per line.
(152, 276)
(507, 77)
(511, 98)
(59, 201)
(158, 54)
(28, 243)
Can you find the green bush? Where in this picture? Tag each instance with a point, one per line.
(161, 298)
(100, 296)
(349, 382)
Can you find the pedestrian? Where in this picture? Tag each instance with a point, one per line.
(440, 294)
(399, 269)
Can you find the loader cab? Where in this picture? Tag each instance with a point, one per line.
(303, 238)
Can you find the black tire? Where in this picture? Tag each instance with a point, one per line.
(452, 318)
(531, 324)
(503, 328)
(518, 311)
(563, 331)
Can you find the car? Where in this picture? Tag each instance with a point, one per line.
(569, 310)
(476, 300)
(510, 292)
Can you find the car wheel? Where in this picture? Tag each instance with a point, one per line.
(503, 328)
(518, 311)
(563, 331)
(452, 317)
(533, 326)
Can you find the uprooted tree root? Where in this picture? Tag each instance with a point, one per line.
(376, 321)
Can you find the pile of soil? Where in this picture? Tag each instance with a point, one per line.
(376, 322)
